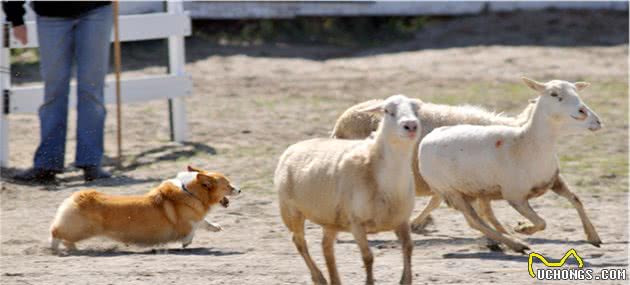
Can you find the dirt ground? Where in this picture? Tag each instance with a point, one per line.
(251, 102)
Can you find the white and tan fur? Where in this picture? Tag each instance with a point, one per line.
(170, 212)
(466, 162)
(360, 186)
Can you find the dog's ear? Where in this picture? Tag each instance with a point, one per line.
(206, 181)
(194, 169)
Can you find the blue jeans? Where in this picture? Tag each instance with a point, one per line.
(85, 39)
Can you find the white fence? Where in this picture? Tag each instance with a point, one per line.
(174, 24)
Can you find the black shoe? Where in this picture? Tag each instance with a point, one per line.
(95, 172)
(36, 175)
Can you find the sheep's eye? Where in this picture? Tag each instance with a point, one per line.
(554, 94)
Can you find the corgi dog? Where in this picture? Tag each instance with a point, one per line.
(170, 212)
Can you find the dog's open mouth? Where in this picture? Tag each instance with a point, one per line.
(225, 202)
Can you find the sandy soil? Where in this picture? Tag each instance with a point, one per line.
(248, 106)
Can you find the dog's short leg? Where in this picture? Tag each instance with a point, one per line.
(187, 240)
(71, 246)
(54, 244)
(214, 227)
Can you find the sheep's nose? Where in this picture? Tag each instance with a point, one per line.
(410, 126)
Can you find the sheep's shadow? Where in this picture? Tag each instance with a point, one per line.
(380, 243)
(167, 251)
(500, 256)
(566, 242)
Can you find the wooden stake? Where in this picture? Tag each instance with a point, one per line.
(117, 67)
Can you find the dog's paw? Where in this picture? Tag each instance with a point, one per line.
(214, 227)
(225, 202)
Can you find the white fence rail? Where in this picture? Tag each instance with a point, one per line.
(174, 24)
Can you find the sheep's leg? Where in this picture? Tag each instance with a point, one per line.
(294, 220)
(404, 237)
(477, 223)
(537, 223)
(418, 224)
(328, 246)
(486, 212)
(360, 236)
(561, 188)
(484, 208)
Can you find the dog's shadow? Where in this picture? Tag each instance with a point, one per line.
(166, 251)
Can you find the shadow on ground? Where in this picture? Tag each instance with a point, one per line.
(167, 152)
(178, 251)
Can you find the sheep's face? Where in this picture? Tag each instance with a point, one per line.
(400, 117)
(561, 102)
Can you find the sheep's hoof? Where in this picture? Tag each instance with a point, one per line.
(320, 280)
(492, 245)
(525, 228)
(595, 242)
(520, 248)
(420, 228)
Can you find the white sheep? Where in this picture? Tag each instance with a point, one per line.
(355, 124)
(466, 162)
(360, 186)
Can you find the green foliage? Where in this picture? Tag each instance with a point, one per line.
(24, 55)
(342, 31)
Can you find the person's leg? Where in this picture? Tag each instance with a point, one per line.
(93, 34)
(55, 37)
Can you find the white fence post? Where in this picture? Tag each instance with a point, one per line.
(176, 63)
(5, 81)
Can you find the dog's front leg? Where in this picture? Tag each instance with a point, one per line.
(214, 227)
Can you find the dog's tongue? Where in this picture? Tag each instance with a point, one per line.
(225, 202)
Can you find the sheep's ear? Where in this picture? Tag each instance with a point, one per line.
(417, 103)
(373, 108)
(194, 169)
(581, 85)
(533, 84)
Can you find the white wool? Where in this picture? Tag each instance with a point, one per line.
(364, 186)
(514, 163)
